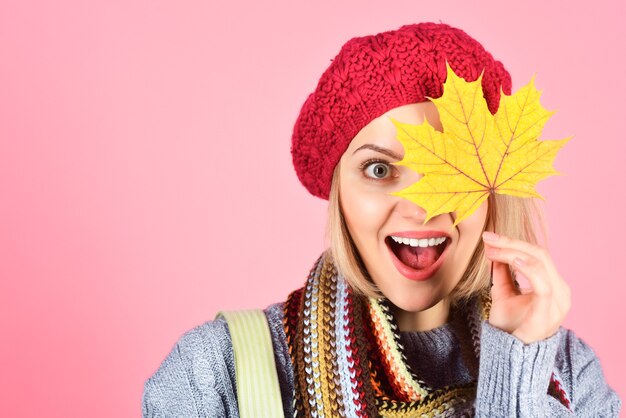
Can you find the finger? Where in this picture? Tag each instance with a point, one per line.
(506, 255)
(558, 294)
(503, 286)
(553, 288)
(546, 270)
(532, 268)
(501, 241)
(536, 274)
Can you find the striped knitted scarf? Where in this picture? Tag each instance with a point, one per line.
(348, 360)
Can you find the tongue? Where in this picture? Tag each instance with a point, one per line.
(417, 257)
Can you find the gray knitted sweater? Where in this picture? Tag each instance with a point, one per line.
(197, 379)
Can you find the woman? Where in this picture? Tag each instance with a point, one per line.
(399, 318)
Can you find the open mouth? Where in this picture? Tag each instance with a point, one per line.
(417, 259)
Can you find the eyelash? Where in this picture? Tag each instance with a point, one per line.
(365, 164)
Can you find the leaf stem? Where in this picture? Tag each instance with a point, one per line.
(493, 209)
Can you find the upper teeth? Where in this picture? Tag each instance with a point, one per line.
(414, 242)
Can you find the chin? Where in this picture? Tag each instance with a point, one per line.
(410, 302)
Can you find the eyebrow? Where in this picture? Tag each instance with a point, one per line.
(376, 148)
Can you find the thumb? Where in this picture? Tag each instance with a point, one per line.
(503, 286)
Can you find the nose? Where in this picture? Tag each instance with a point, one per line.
(410, 210)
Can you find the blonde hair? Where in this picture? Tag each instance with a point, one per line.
(514, 217)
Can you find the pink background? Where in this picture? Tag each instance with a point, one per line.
(146, 179)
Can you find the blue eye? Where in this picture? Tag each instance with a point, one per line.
(377, 170)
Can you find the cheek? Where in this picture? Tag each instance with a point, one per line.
(365, 213)
(479, 217)
(472, 227)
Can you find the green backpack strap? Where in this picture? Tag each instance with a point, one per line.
(258, 391)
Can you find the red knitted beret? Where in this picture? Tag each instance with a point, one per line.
(374, 74)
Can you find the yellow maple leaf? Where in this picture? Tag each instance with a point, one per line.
(477, 153)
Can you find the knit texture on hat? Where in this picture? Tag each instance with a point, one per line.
(374, 74)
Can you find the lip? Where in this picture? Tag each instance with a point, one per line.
(411, 273)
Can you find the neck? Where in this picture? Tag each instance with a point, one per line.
(425, 320)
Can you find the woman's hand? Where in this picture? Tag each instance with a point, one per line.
(530, 316)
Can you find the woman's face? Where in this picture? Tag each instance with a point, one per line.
(373, 217)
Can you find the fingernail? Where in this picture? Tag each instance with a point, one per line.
(519, 262)
(490, 236)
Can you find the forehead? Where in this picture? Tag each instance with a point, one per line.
(382, 132)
